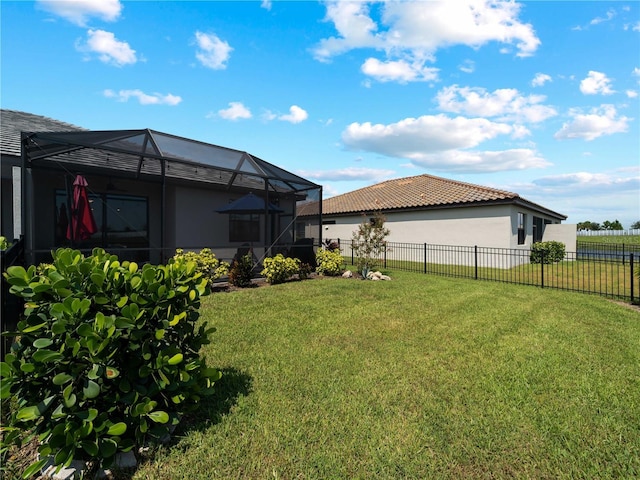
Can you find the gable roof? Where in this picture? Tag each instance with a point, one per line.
(422, 192)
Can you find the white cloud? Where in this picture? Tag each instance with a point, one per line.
(467, 66)
(266, 4)
(399, 70)
(212, 52)
(632, 93)
(507, 104)
(414, 137)
(412, 31)
(295, 115)
(540, 79)
(610, 14)
(589, 180)
(482, 161)
(236, 111)
(347, 174)
(588, 195)
(603, 120)
(636, 72)
(143, 98)
(596, 82)
(109, 49)
(79, 11)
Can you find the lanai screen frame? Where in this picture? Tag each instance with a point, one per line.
(155, 156)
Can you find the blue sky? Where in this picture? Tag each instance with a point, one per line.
(539, 98)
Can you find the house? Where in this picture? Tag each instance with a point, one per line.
(149, 192)
(440, 211)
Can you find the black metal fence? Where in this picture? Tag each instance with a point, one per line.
(610, 274)
(610, 251)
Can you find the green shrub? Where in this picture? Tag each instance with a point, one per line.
(279, 269)
(4, 243)
(106, 355)
(547, 252)
(329, 261)
(206, 263)
(241, 271)
(305, 271)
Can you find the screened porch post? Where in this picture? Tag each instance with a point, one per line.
(267, 221)
(27, 204)
(163, 210)
(320, 218)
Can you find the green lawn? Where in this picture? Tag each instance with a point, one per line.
(610, 239)
(419, 377)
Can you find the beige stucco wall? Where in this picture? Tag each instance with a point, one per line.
(565, 233)
(489, 226)
(494, 227)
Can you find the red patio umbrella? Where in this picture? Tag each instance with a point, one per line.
(82, 224)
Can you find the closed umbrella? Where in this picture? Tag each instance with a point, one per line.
(82, 224)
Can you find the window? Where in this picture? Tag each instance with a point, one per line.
(522, 222)
(122, 221)
(244, 228)
(538, 229)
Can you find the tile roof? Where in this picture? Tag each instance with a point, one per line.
(12, 122)
(420, 192)
(412, 192)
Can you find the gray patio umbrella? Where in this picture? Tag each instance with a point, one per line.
(250, 203)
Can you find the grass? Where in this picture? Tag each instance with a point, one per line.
(420, 377)
(612, 279)
(610, 239)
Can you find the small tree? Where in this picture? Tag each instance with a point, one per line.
(369, 242)
(615, 225)
(635, 225)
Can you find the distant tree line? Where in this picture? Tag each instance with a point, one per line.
(606, 225)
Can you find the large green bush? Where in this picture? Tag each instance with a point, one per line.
(279, 269)
(206, 263)
(106, 357)
(547, 252)
(329, 261)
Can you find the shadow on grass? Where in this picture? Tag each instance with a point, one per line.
(212, 409)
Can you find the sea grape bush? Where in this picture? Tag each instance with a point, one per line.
(547, 252)
(279, 269)
(206, 263)
(329, 261)
(106, 357)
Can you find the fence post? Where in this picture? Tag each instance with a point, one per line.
(475, 260)
(385, 255)
(631, 268)
(541, 268)
(425, 257)
(352, 253)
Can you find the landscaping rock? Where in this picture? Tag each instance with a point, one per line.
(72, 472)
(123, 461)
(347, 274)
(377, 276)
